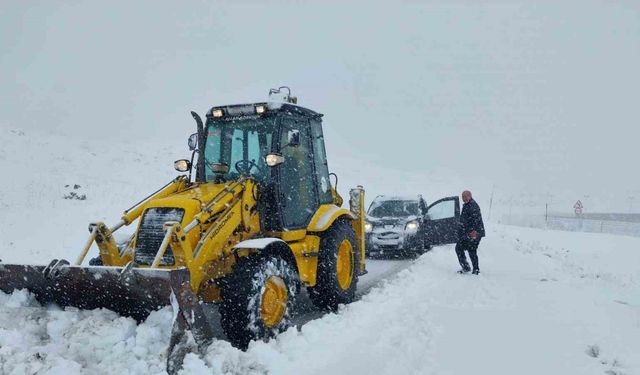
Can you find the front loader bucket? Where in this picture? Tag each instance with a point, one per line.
(134, 292)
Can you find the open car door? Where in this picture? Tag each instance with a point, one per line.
(440, 225)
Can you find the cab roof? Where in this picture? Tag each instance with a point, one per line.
(249, 109)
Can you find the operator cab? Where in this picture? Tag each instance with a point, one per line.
(237, 145)
(277, 143)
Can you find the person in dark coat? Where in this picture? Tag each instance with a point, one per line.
(471, 231)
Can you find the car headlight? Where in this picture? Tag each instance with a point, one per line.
(411, 227)
(368, 227)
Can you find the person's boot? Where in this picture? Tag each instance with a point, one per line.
(464, 270)
(476, 272)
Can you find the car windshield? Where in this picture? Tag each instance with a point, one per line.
(393, 208)
(242, 144)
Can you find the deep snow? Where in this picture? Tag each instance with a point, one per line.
(546, 302)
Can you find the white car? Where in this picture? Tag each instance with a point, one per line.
(405, 226)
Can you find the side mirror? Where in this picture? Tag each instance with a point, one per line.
(273, 159)
(182, 165)
(193, 141)
(293, 138)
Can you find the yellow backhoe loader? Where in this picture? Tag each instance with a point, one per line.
(254, 220)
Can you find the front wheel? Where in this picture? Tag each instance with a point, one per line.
(258, 299)
(420, 247)
(337, 275)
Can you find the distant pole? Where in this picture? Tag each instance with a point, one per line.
(546, 214)
(491, 202)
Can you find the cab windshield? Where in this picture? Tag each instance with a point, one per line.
(393, 208)
(241, 144)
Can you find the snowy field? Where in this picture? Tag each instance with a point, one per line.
(546, 302)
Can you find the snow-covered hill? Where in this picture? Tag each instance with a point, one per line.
(55, 186)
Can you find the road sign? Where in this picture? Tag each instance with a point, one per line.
(578, 207)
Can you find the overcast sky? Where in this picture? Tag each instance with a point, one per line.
(538, 97)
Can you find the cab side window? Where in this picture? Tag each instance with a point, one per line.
(297, 183)
(320, 161)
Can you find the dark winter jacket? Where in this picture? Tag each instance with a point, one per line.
(471, 219)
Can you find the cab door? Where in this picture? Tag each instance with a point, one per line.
(440, 224)
(297, 184)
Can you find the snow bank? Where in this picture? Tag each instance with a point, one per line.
(35, 340)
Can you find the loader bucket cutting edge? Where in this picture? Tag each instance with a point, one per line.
(135, 294)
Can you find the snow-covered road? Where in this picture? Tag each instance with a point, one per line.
(379, 270)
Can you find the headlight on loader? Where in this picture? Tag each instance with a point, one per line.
(182, 165)
(274, 159)
(368, 227)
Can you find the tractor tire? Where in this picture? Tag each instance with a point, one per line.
(338, 261)
(258, 299)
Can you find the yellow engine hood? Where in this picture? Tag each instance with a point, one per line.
(191, 200)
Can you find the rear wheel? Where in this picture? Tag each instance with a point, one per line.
(258, 299)
(338, 260)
